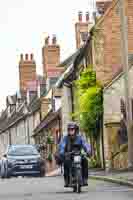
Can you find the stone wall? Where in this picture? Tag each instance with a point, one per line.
(112, 116)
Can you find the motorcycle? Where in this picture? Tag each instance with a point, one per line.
(76, 170)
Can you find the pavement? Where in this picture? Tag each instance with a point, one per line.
(52, 189)
(119, 177)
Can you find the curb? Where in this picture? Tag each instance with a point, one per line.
(53, 175)
(112, 180)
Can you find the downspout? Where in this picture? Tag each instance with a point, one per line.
(25, 131)
(60, 133)
(10, 141)
(72, 100)
(28, 132)
(102, 137)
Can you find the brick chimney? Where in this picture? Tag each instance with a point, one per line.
(27, 71)
(51, 58)
(45, 103)
(82, 28)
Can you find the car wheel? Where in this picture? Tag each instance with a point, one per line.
(42, 173)
(3, 171)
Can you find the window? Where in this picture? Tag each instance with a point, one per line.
(122, 132)
(123, 108)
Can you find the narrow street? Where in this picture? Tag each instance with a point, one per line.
(52, 188)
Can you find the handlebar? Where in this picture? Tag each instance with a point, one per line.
(72, 152)
(75, 152)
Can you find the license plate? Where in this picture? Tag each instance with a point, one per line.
(77, 159)
(26, 167)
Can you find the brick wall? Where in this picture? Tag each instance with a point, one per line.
(45, 106)
(108, 27)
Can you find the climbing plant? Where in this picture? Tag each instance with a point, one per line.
(90, 105)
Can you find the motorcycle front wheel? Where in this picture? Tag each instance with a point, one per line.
(79, 180)
(77, 185)
(75, 188)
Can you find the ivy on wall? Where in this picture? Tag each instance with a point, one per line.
(90, 106)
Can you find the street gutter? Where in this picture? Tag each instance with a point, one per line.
(112, 180)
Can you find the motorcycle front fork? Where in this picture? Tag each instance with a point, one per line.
(73, 177)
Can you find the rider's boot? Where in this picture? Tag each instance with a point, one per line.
(85, 182)
(66, 180)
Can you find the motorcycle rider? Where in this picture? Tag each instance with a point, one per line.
(67, 145)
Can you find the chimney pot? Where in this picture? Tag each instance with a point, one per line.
(54, 40)
(87, 17)
(47, 40)
(80, 16)
(31, 56)
(94, 16)
(21, 56)
(26, 56)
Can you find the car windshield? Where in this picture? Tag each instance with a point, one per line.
(22, 150)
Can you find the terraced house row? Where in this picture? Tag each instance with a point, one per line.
(40, 112)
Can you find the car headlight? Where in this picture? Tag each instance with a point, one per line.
(11, 162)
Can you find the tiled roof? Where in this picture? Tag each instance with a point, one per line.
(9, 121)
(34, 105)
(11, 99)
(74, 61)
(68, 61)
(3, 119)
(118, 71)
(51, 116)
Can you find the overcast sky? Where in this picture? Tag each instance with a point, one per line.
(23, 26)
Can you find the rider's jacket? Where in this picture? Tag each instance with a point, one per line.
(79, 140)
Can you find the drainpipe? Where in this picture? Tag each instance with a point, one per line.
(102, 137)
(59, 126)
(10, 141)
(72, 99)
(28, 132)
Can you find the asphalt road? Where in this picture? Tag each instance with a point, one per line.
(52, 188)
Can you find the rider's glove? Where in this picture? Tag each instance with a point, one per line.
(88, 155)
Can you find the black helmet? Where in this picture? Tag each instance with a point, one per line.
(72, 125)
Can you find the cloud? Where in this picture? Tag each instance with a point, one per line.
(23, 24)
